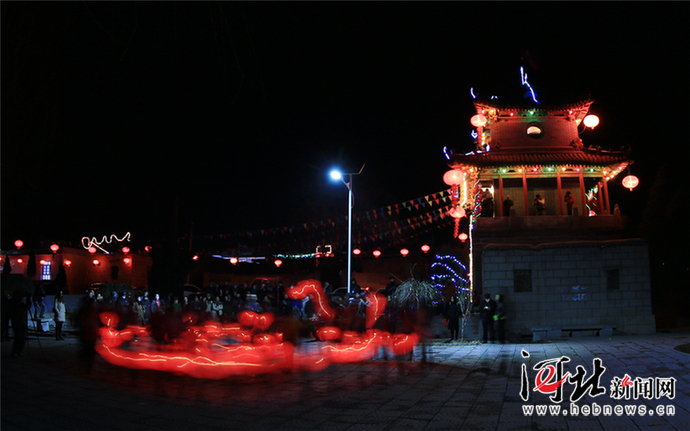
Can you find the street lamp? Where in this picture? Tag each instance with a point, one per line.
(337, 175)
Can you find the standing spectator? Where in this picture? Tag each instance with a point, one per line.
(487, 316)
(507, 205)
(487, 205)
(312, 318)
(139, 317)
(157, 306)
(569, 202)
(355, 288)
(328, 288)
(217, 308)
(39, 302)
(539, 205)
(5, 315)
(390, 288)
(500, 317)
(59, 313)
(452, 315)
(20, 304)
(146, 305)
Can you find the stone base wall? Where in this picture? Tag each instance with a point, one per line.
(573, 284)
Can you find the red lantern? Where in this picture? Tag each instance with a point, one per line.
(147, 248)
(92, 250)
(457, 212)
(42, 261)
(404, 252)
(630, 182)
(19, 243)
(125, 250)
(377, 253)
(54, 248)
(453, 177)
(463, 237)
(195, 257)
(278, 262)
(426, 248)
(356, 252)
(96, 262)
(233, 260)
(127, 260)
(67, 262)
(20, 260)
(478, 120)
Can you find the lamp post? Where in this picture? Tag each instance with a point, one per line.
(337, 175)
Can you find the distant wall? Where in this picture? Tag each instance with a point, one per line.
(573, 284)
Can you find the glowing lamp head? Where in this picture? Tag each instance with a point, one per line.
(92, 250)
(336, 175)
(19, 243)
(356, 252)
(377, 253)
(125, 250)
(54, 248)
(404, 252)
(20, 260)
(630, 182)
(478, 120)
(233, 260)
(463, 237)
(278, 262)
(453, 177)
(591, 121)
(426, 248)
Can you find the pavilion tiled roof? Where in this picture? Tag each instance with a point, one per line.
(518, 158)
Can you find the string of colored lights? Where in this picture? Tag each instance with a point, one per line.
(448, 269)
(93, 242)
(523, 77)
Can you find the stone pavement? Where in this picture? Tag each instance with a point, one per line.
(462, 386)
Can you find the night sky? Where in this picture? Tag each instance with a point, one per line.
(115, 114)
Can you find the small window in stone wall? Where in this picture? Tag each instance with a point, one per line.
(522, 280)
(612, 279)
(114, 272)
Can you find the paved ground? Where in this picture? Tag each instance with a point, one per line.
(462, 386)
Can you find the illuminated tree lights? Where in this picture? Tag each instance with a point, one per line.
(449, 268)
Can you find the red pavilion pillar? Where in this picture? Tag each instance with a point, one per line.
(524, 191)
(500, 195)
(560, 192)
(606, 197)
(582, 193)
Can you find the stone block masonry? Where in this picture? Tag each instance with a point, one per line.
(592, 283)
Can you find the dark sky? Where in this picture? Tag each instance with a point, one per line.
(113, 112)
